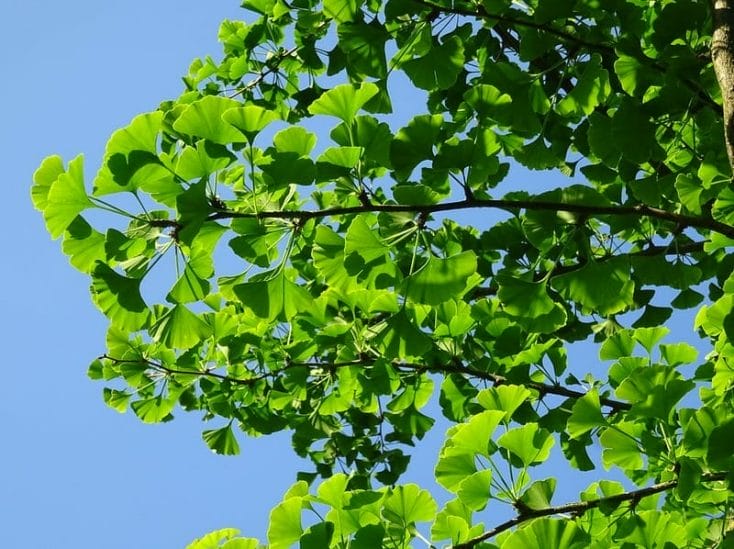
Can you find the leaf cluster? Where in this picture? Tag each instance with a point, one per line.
(347, 284)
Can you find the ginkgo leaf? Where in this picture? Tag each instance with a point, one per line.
(453, 468)
(83, 244)
(414, 143)
(409, 504)
(118, 297)
(401, 338)
(529, 443)
(179, 328)
(475, 435)
(66, 197)
(585, 415)
(439, 68)
(222, 441)
(202, 160)
(203, 118)
(439, 280)
(273, 296)
(362, 240)
(474, 490)
(45, 176)
(341, 11)
(155, 409)
(344, 101)
(285, 523)
(506, 398)
(547, 532)
(250, 119)
(585, 286)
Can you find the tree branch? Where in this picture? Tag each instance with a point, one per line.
(650, 251)
(642, 210)
(580, 507)
(454, 368)
(496, 379)
(722, 55)
(605, 48)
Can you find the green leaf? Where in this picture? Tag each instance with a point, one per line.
(675, 354)
(547, 532)
(201, 161)
(530, 303)
(115, 399)
(213, 540)
(342, 10)
(649, 337)
(363, 45)
(530, 444)
(285, 523)
(439, 68)
(179, 328)
(273, 296)
(408, 504)
(440, 280)
(453, 468)
(250, 119)
(617, 346)
(486, 99)
(204, 118)
(585, 286)
(317, 536)
(621, 447)
(474, 490)
(118, 297)
(506, 398)
(66, 197)
(475, 436)
(344, 101)
(634, 134)
(193, 285)
(539, 494)
(591, 89)
(83, 244)
(414, 143)
(155, 409)
(400, 338)
(43, 178)
(720, 450)
(222, 441)
(585, 415)
(295, 139)
(363, 241)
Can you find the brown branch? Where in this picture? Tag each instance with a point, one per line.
(605, 48)
(684, 221)
(496, 379)
(651, 251)
(722, 55)
(455, 368)
(580, 507)
(270, 68)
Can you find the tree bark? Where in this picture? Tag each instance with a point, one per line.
(722, 55)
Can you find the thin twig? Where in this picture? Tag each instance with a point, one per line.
(580, 507)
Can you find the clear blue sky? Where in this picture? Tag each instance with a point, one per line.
(74, 473)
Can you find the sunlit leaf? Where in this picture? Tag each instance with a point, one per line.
(344, 101)
(529, 443)
(204, 118)
(222, 441)
(441, 279)
(66, 197)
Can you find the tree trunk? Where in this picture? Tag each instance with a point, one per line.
(722, 55)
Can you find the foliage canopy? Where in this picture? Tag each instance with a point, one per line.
(335, 259)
